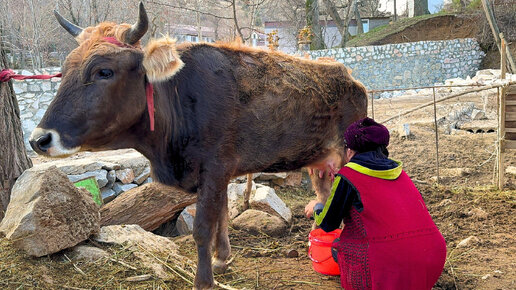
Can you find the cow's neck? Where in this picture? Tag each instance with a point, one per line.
(166, 145)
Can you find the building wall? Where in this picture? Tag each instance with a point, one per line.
(413, 64)
(378, 67)
(288, 35)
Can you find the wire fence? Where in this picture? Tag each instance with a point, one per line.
(440, 153)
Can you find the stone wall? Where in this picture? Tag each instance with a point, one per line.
(414, 64)
(34, 96)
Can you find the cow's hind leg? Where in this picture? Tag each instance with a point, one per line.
(222, 247)
(210, 196)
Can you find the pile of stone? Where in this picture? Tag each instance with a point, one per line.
(119, 171)
(115, 171)
(267, 213)
(47, 213)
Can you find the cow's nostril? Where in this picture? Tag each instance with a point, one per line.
(44, 142)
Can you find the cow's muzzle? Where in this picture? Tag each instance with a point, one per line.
(48, 142)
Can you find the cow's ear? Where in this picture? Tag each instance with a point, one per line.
(161, 60)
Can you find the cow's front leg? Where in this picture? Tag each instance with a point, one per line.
(222, 247)
(209, 204)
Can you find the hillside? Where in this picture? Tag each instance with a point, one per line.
(438, 27)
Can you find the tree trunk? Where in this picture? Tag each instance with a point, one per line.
(13, 157)
(349, 11)
(312, 20)
(360, 25)
(148, 206)
(421, 7)
(332, 10)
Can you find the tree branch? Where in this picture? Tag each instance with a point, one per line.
(190, 9)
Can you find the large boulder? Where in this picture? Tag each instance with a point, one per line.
(255, 222)
(235, 193)
(47, 213)
(265, 199)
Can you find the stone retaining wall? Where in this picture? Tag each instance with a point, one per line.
(413, 64)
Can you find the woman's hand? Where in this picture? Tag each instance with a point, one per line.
(309, 208)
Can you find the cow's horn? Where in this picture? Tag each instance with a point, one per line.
(139, 28)
(70, 27)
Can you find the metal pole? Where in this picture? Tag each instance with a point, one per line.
(501, 128)
(372, 105)
(496, 171)
(436, 138)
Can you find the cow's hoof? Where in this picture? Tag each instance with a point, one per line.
(219, 267)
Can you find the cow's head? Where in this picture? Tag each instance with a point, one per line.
(102, 93)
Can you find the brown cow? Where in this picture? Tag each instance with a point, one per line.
(222, 110)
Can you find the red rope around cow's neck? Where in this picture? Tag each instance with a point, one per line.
(8, 74)
(149, 91)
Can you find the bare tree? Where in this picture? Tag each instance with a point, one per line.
(312, 20)
(13, 157)
(370, 7)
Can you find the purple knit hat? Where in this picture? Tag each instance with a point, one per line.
(366, 135)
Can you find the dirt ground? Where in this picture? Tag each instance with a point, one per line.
(260, 262)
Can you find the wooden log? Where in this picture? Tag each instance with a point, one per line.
(148, 206)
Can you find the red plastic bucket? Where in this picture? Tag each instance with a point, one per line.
(319, 251)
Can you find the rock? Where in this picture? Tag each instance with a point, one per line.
(478, 115)
(47, 213)
(143, 176)
(294, 178)
(111, 177)
(445, 202)
(134, 235)
(469, 241)
(510, 170)
(455, 172)
(236, 198)
(127, 159)
(75, 167)
(148, 206)
(143, 244)
(265, 199)
(87, 253)
(404, 131)
(485, 277)
(100, 176)
(119, 187)
(478, 213)
(256, 222)
(107, 194)
(184, 223)
(125, 175)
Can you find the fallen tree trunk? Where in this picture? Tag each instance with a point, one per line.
(148, 206)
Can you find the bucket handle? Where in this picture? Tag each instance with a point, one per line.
(314, 260)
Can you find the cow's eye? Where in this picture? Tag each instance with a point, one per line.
(104, 74)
